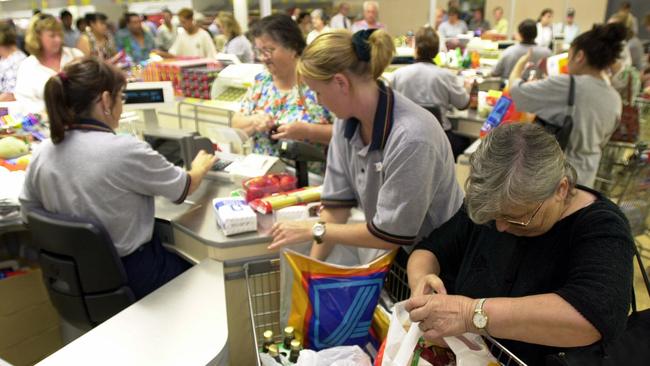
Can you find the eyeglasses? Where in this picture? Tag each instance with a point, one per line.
(522, 223)
(266, 52)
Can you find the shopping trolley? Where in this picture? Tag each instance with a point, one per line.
(631, 192)
(263, 284)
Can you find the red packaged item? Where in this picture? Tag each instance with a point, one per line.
(267, 185)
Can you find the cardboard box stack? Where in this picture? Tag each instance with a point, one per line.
(29, 324)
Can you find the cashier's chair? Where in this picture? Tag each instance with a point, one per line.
(84, 276)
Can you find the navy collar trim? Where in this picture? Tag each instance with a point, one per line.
(90, 124)
(383, 122)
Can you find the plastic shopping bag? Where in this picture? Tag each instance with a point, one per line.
(330, 305)
(404, 347)
(336, 356)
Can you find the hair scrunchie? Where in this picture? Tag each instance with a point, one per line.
(361, 45)
(62, 75)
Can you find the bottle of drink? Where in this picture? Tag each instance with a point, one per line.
(273, 352)
(473, 95)
(288, 337)
(268, 341)
(295, 351)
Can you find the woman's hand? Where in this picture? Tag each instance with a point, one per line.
(292, 232)
(292, 131)
(261, 122)
(428, 285)
(441, 315)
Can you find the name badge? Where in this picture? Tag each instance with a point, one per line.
(379, 167)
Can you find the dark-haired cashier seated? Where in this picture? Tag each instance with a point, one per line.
(531, 258)
(87, 171)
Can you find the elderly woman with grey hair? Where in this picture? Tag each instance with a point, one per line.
(531, 258)
(319, 22)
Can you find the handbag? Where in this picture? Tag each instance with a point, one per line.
(628, 128)
(562, 132)
(632, 348)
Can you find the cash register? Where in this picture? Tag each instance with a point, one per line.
(232, 83)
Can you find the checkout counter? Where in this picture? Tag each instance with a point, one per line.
(201, 317)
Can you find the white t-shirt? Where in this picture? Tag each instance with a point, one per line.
(31, 79)
(198, 44)
(314, 33)
(544, 35)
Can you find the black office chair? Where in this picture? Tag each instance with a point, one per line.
(84, 276)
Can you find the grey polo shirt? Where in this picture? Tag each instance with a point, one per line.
(107, 178)
(513, 53)
(428, 85)
(404, 180)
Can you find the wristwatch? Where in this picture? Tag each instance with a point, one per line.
(480, 318)
(317, 231)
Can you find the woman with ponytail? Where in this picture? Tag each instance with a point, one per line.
(387, 155)
(597, 106)
(87, 171)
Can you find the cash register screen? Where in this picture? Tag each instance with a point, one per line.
(144, 96)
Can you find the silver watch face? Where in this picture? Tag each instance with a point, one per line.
(318, 230)
(479, 320)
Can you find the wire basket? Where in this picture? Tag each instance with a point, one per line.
(263, 285)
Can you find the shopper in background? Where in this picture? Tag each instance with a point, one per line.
(44, 41)
(236, 43)
(545, 29)
(304, 23)
(478, 24)
(526, 33)
(10, 59)
(319, 24)
(453, 26)
(192, 41)
(370, 17)
(431, 86)
(149, 26)
(133, 40)
(341, 20)
(569, 29)
(597, 104)
(81, 25)
(70, 35)
(167, 32)
(632, 43)
(532, 258)
(277, 105)
(626, 10)
(84, 104)
(500, 23)
(98, 41)
(388, 156)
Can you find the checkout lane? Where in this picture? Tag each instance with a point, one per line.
(191, 229)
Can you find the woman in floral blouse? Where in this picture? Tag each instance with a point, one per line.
(277, 106)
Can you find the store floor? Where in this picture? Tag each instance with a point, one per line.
(643, 300)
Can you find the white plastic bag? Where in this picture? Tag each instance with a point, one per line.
(335, 356)
(469, 348)
(400, 343)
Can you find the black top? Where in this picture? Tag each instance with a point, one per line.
(586, 258)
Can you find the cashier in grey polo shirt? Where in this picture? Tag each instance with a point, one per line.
(388, 156)
(88, 172)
